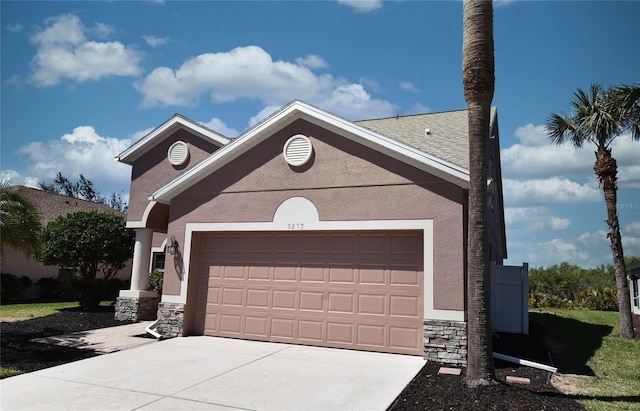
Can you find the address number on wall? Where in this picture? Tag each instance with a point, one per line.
(295, 226)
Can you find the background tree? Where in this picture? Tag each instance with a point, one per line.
(19, 221)
(83, 189)
(598, 117)
(92, 243)
(478, 79)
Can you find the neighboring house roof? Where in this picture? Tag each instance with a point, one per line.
(444, 135)
(51, 205)
(166, 129)
(388, 145)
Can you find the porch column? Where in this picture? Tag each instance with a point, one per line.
(137, 303)
(141, 258)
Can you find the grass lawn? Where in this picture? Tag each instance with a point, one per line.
(599, 369)
(17, 312)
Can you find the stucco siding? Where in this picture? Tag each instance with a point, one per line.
(153, 170)
(346, 182)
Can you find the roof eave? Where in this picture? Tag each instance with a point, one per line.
(163, 131)
(300, 110)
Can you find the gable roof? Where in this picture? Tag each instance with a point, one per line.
(447, 136)
(51, 205)
(166, 129)
(295, 110)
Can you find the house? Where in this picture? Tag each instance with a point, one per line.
(311, 229)
(49, 207)
(633, 272)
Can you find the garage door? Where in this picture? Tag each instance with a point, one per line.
(358, 290)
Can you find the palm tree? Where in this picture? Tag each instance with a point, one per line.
(599, 116)
(19, 220)
(478, 79)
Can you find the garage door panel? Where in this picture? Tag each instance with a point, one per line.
(371, 304)
(371, 335)
(232, 296)
(284, 274)
(343, 290)
(372, 275)
(404, 337)
(256, 326)
(340, 303)
(312, 274)
(283, 328)
(342, 275)
(405, 277)
(284, 299)
(311, 331)
(312, 301)
(231, 324)
(258, 298)
(340, 333)
(404, 306)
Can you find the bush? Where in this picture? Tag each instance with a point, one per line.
(53, 289)
(598, 298)
(155, 282)
(13, 288)
(544, 300)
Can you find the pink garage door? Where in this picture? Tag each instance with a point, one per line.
(359, 290)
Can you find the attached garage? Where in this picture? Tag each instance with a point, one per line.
(360, 290)
(312, 229)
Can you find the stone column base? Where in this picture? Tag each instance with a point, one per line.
(170, 319)
(136, 308)
(445, 342)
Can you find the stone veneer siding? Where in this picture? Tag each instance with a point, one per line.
(170, 320)
(445, 342)
(136, 309)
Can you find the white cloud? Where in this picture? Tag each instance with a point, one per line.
(15, 28)
(419, 108)
(102, 30)
(219, 126)
(362, 6)
(557, 223)
(312, 61)
(552, 190)
(63, 52)
(250, 73)
(408, 86)
(532, 220)
(537, 157)
(588, 249)
(82, 151)
(154, 41)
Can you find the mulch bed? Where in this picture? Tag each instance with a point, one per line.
(20, 353)
(428, 390)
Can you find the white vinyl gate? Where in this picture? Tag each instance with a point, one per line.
(510, 298)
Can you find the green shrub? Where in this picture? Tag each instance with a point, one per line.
(597, 298)
(13, 288)
(53, 289)
(155, 282)
(544, 300)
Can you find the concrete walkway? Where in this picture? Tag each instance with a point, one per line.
(207, 373)
(103, 340)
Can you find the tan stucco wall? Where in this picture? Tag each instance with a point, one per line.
(346, 181)
(153, 170)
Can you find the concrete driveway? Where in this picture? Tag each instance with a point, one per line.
(207, 373)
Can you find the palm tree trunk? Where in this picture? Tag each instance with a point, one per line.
(478, 81)
(607, 170)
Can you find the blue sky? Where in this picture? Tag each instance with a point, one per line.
(81, 81)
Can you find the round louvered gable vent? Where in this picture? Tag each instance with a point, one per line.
(178, 153)
(297, 150)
